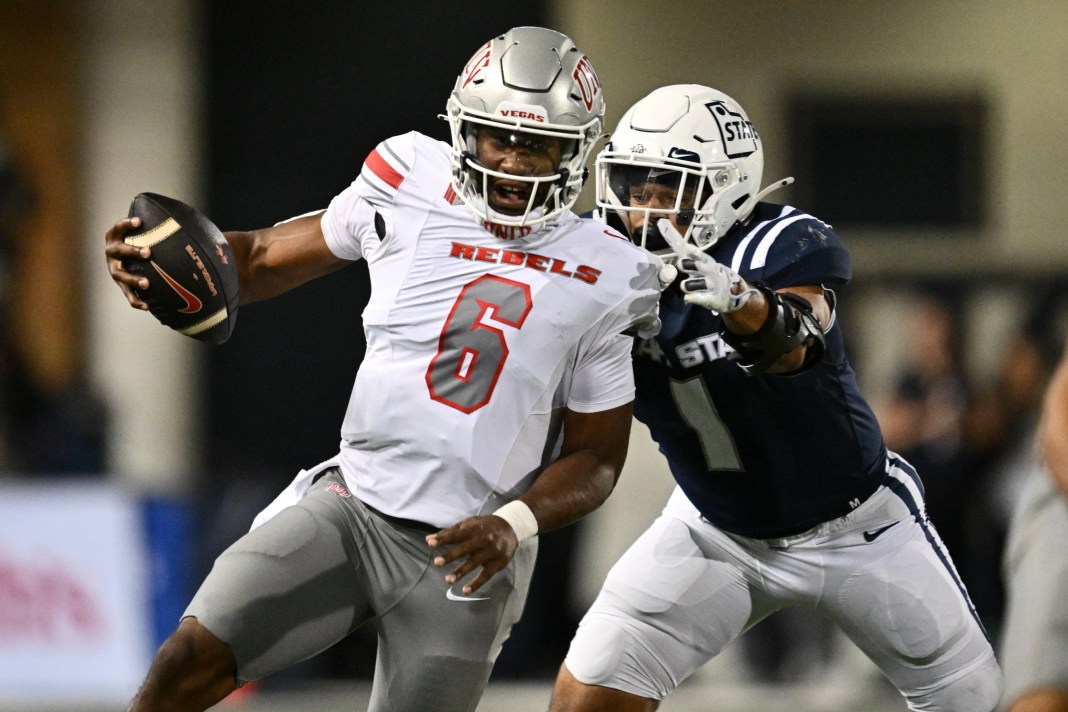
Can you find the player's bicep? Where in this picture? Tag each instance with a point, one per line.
(604, 433)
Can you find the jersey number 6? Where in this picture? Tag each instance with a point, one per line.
(472, 349)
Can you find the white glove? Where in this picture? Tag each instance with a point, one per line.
(709, 284)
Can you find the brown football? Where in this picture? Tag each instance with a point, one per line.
(192, 276)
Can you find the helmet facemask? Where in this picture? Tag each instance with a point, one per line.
(549, 194)
(689, 193)
(529, 82)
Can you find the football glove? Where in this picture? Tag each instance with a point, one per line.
(708, 283)
(666, 274)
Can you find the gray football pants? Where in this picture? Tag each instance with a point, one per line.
(321, 568)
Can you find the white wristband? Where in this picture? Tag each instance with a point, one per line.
(518, 514)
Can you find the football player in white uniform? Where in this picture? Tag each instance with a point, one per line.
(494, 400)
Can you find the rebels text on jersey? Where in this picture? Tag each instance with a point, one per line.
(478, 336)
(768, 455)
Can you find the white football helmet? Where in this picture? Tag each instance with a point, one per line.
(697, 141)
(528, 80)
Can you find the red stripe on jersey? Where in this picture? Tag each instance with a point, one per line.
(387, 173)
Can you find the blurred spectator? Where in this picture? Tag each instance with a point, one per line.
(1003, 426)
(928, 419)
(970, 444)
(42, 430)
(1036, 567)
(924, 418)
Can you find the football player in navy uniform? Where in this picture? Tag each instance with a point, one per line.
(786, 493)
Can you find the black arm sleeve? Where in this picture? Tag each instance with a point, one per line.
(790, 323)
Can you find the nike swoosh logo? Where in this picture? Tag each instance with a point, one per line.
(453, 597)
(192, 303)
(876, 533)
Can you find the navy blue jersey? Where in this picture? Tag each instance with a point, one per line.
(760, 455)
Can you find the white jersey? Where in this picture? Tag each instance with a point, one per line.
(478, 336)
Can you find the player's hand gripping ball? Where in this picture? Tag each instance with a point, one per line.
(192, 275)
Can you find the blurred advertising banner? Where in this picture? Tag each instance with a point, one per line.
(76, 593)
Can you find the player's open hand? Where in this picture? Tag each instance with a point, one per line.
(488, 542)
(708, 283)
(116, 250)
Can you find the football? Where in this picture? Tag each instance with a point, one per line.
(192, 275)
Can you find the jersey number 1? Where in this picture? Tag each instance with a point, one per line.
(472, 349)
(697, 409)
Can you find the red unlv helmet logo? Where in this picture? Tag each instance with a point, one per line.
(476, 66)
(588, 83)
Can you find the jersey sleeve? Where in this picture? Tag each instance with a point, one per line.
(604, 376)
(797, 250)
(349, 221)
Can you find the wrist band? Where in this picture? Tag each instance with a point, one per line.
(518, 514)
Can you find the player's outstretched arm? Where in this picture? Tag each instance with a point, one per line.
(579, 481)
(269, 261)
(744, 308)
(750, 318)
(1053, 428)
(276, 259)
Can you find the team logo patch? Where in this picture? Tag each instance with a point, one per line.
(737, 133)
(338, 489)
